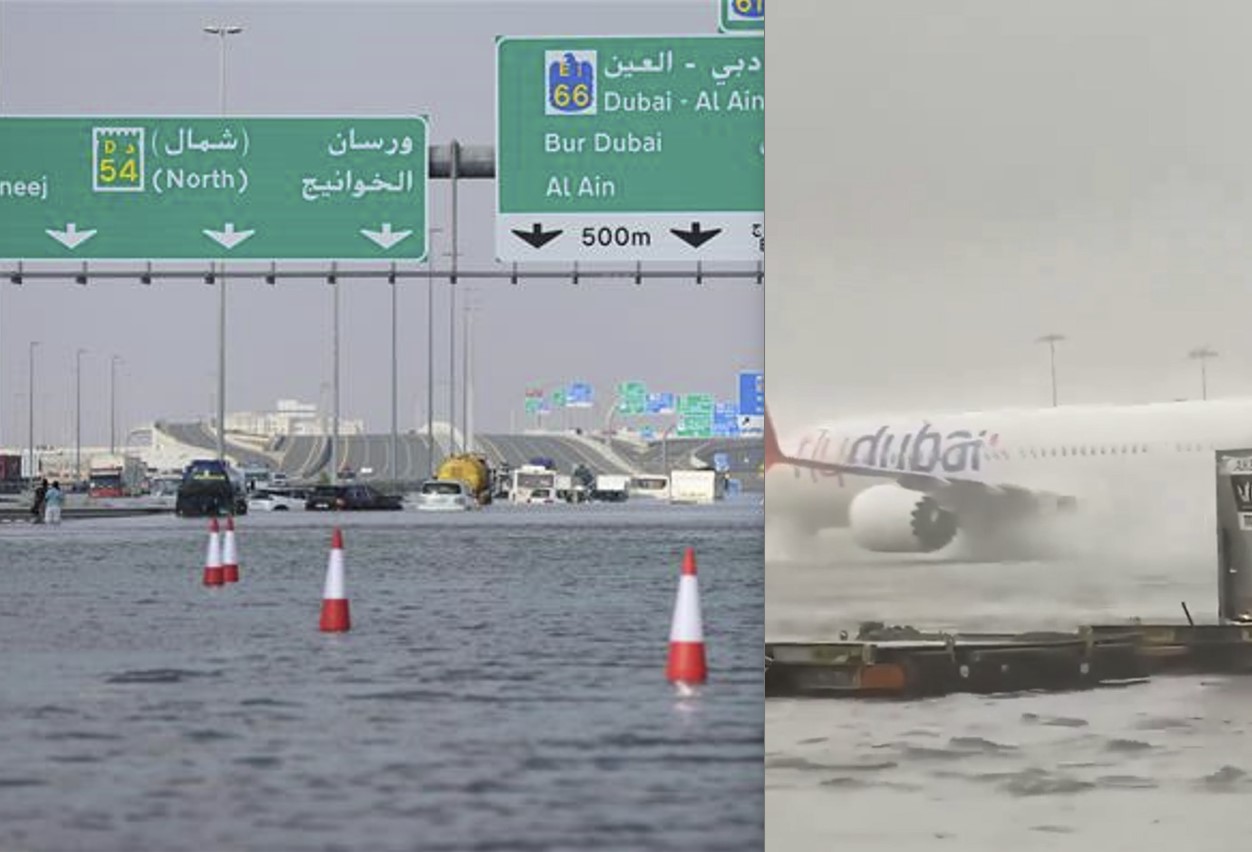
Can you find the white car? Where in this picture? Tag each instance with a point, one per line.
(443, 495)
(542, 496)
(266, 501)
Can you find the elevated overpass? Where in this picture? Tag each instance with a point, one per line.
(307, 457)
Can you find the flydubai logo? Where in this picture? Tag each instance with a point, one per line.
(925, 451)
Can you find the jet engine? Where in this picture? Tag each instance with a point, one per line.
(891, 519)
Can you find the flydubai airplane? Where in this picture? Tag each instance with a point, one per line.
(997, 482)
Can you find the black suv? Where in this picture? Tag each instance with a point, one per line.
(350, 497)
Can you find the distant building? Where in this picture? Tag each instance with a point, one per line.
(290, 417)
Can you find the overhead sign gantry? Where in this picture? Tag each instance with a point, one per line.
(201, 188)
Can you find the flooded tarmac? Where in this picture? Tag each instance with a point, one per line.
(502, 686)
(1108, 769)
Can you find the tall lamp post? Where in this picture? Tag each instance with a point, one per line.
(30, 410)
(113, 362)
(467, 374)
(430, 351)
(221, 31)
(1202, 354)
(1052, 340)
(78, 415)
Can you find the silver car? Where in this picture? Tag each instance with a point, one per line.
(443, 495)
(267, 501)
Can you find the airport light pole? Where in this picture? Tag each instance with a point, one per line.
(1202, 354)
(221, 31)
(30, 409)
(78, 415)
(1052, 340)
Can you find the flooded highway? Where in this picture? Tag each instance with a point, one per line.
(502, 686)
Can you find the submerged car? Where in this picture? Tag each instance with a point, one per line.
(541, 496)
(444, 495)
(268, 501)
(354, 497)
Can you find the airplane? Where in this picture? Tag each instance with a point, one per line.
(995, 484)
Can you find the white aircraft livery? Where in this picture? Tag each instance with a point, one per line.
(994, 480)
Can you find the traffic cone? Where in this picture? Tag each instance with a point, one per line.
(686, 636)
(334, 596)
(230, 557)
(213, 561)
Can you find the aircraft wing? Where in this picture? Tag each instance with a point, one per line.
(955, 493)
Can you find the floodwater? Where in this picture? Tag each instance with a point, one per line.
(1156, 764)
(502, 686)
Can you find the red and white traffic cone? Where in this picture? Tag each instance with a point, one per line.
(230, 557)
(213, 561)
(686, 666)
(334, 596)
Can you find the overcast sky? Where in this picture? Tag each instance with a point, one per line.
(322, 58)
(947, 182)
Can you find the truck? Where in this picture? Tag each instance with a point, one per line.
(611, 488)
(470, 469)
(10, 473)
(210, 488)
(696, 486)
(115, 475)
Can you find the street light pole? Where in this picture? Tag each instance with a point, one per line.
(30, 409)
(1052, 340)
(451, 367)
(78, 415)
(467, 435)
(221, 31)
(430, 353)
(1202, 354)
(113, 402)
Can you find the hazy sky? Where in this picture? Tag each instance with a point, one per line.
(322, 58)
(947, 182)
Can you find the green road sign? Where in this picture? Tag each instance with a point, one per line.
(612, 149)
(695, 415)
(532, 405)
(632, 398)
(558, 398)
(213, 188)
(741, 16)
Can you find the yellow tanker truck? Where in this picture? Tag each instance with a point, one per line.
(471, 470)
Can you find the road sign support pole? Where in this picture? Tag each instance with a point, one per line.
(394, 466)
(333, 280)
(454, 150)
(430, 366)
